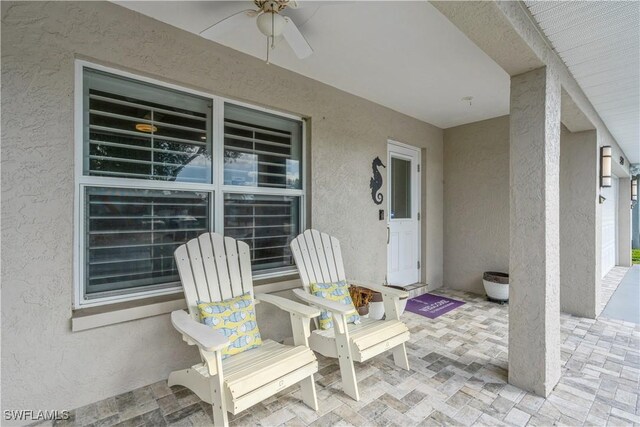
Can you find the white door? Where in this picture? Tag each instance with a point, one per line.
(403, 205)
(609, 227)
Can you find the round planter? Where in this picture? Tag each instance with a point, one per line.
(364, 310)
(376, 307)
(496, 285)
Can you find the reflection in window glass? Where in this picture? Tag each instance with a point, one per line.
(240, 168)
(269, 145)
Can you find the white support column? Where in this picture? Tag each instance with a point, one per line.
(534, 300)
(579, 223)
(624, 222)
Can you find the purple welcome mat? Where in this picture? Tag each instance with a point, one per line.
(432, 306)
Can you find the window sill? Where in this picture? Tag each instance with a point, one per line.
(95, 317)
(277, 284)
(111, 314)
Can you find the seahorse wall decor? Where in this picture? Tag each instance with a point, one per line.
(376, 181)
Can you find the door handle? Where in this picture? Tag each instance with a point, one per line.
(388, 234)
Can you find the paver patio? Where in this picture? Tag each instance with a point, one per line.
(458, 377)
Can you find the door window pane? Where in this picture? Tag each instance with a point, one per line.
(400, 188)
(131, 234)
(266, 223)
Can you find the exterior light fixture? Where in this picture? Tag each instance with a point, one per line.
(605, 166)
(146, 127)
(634, 189)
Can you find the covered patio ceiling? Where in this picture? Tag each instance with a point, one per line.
(600, 44)
(404, 55)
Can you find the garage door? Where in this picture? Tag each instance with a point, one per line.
(610, 227)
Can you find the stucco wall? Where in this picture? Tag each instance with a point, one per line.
(45, 365)
(635, 218)
(476, 206)
(579, 223)
(476, 202)
(624, 222)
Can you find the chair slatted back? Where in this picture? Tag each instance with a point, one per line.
(318, 257)
(213, 268)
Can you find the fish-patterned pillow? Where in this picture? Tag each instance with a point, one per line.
(235, 318)
(339, 292)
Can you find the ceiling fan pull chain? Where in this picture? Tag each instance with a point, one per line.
(273, 29)
(268, 50)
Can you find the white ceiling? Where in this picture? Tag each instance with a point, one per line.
(403, 55)
(600, 43)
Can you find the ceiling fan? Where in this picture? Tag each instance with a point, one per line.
(270, 22)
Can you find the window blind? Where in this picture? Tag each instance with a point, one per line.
(131, 235)
(266, 223)
(261, 149)
(136, 134)
(135, 130)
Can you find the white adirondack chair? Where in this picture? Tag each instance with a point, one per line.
(215, 268)
(319, 260)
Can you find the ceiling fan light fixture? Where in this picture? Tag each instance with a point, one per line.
(271, 24)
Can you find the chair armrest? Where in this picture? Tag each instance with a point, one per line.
(325, 304)
(397, 293)
(205, 337)
(289, 305)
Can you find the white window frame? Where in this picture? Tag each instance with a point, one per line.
(216, 188)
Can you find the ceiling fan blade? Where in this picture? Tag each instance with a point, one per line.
(296, 40)
(228, 24)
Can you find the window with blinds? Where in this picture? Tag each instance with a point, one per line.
(136, 130)
(267, 224)
(131, 235)
(261, 149)
(147, 183)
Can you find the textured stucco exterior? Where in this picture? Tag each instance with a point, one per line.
(579, 223)
(534, 261)
(476, 207)
(506, 32)
(45, 365)
(492, 33)
(476, 202)
(624, 222)
(520, 19)
(635, 219)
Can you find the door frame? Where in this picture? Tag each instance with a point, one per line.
(416, 196)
